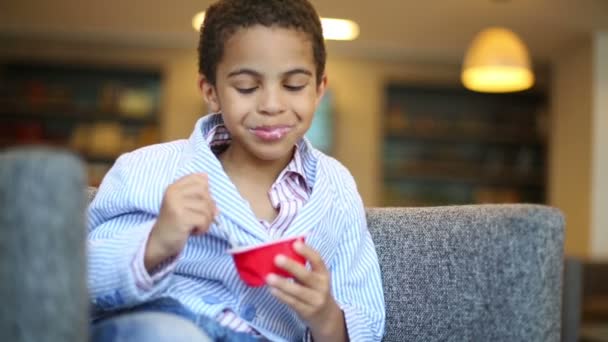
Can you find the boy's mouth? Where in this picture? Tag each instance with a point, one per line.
(271, 133)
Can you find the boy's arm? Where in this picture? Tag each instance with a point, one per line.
(355, 272)
(117, 239)
(117, 276)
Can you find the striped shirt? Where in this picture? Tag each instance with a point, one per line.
(203, 277)
(287, 195)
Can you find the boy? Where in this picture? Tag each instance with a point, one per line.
(157, 237)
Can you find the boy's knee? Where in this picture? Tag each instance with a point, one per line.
(148, 327)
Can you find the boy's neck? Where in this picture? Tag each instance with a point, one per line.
(238, 163)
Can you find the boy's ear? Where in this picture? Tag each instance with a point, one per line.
(209, 94)
(321, 89)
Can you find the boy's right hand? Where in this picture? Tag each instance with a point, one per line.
(187, 208)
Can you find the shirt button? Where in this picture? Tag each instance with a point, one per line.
(210, 299)
(248, 312)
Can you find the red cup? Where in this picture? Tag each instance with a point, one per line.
(254, 263)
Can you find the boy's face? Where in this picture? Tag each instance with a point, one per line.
(266, 90)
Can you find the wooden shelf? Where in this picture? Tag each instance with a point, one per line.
(447, 145)
(596, 305)
(454, 136)
(55, 115)
(462, 172)
(104, 109)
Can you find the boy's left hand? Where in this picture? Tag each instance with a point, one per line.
(310, 294)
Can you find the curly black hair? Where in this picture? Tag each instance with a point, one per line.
(225, 17)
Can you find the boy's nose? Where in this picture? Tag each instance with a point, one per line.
(271, 102)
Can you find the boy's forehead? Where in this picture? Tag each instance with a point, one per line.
(257, 35)
(261, 47)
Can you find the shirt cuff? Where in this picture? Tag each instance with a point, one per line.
(358, 326)
(145, 280)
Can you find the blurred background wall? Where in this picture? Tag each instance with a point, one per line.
(140, 57)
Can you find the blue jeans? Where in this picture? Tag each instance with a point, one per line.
(161, 320)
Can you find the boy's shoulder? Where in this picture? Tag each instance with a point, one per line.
(152, 163)
(342, 187)
(338, 174)
(155, 154)
(333, 166)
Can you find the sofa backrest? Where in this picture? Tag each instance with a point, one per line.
(470, 273)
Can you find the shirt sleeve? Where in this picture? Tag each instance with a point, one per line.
(356, 280)
(146, 280)
(117, 238)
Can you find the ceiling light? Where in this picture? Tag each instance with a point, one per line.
(197, 20)
(339, 29)
(497, 61)
(334, 29)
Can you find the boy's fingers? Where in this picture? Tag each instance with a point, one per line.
(206, 207)
(315, 260)
(293, 289)
(192, 184)
(198, 219)
(296, 269)
(292, 301)
(196, 189)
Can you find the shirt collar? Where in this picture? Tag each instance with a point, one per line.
(218, 138)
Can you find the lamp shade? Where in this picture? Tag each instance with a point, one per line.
(497, 61)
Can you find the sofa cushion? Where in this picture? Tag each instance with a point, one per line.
(470, 273)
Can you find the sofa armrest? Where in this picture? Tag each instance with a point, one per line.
(42, 247)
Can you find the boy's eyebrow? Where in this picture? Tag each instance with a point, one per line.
(251, 72)
(244, 71)
(298, 71)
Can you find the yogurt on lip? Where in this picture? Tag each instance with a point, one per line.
(271, 133)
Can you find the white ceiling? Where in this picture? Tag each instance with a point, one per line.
(432, 30)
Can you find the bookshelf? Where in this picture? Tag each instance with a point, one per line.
(446, 145)
(96, 111)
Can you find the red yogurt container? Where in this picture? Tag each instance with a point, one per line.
(254, 263)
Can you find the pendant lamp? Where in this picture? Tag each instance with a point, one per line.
(497, 61)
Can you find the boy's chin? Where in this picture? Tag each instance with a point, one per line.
(274, 153)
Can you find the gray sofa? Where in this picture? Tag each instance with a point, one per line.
(460, 273)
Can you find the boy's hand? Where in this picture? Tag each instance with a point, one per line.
(187, 208)
(310, 295)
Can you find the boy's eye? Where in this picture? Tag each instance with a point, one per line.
(246, 90)
(294, 88)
